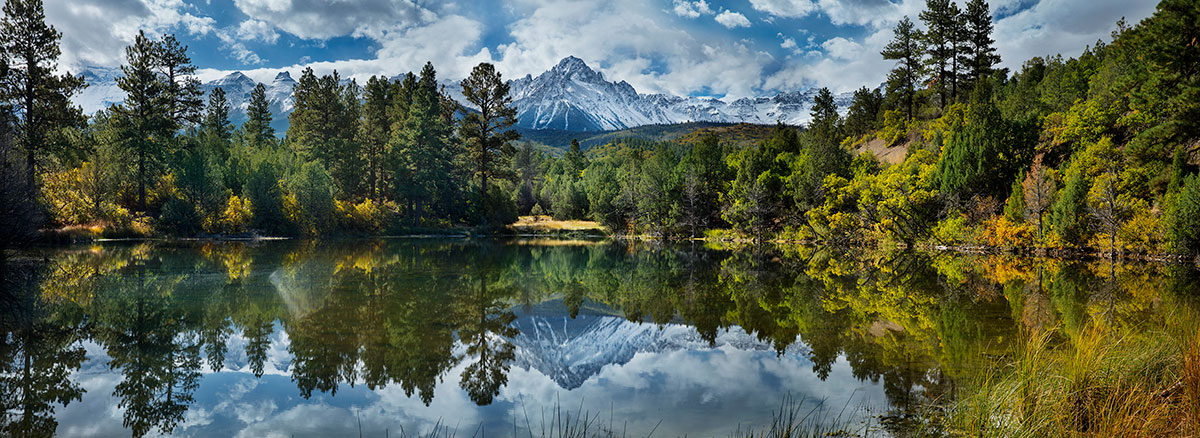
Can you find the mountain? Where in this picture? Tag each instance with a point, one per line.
(572, 350)
(570, 97)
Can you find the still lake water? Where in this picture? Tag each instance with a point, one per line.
(498, 337)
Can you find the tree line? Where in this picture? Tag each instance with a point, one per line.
(390, 155)
(1092, 153)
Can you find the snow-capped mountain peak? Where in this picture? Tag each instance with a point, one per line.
(570, 96)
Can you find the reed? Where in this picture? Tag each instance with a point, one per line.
(1102, 381)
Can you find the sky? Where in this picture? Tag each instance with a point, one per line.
(723, 49)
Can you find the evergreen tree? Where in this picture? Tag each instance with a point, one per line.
(374, 130)
(185, 100)
(257, 129)
(576, 161)
(486, 133)
(20, 215)
(40, 98)
(144, 118)
(906, 48)
(216, 131)
(323, 125)
(941, 39)
(422, 146)
(825, 154)
(979, 54)
(863, 115)
(973, 160)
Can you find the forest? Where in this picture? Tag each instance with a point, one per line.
(1089, 154)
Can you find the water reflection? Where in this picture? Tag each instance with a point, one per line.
(228, 338)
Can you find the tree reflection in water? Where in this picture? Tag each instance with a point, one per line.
(407, 312)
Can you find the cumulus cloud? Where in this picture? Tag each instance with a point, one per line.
(785, 8)
(641, 42)
(254, 30)
(95, 32)
(692, 9)
(732, 19)
(323, 19)
(1062, 26)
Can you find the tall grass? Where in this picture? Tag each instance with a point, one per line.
(1102, 381)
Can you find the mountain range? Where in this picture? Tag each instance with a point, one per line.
(571, 96)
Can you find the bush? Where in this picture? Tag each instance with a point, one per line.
(179, 217)
(501, 210)
(1185, 228)
(234, 219)
(367, 216)
(894, 129)
(312, 189)
(1001, 232)
(953, 230)
(263, 192)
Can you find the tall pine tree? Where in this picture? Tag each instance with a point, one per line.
(906, 48)
(257, 130)
(979, 53)
(487, 132)
(185, 100)
(40, 97)
(144, 119)
(374, 130)
(941, 40)
(216, 131)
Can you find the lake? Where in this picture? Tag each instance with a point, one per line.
(467, 337)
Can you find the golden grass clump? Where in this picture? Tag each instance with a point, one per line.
(1099, 382)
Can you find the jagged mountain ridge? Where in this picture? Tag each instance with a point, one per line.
(571, 96)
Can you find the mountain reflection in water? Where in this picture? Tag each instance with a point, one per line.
(329, 338)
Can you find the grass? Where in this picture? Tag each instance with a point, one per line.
(1100, 382)
(794, 419)
(548, 225)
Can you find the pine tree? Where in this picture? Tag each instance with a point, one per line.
(979, 53)
(183, 89)
(374, 130)
(422, 149)
(216, 131)
(323, 126)
(825, 154)
(575, 159)
(257, 128)
(486, 133)
(144, 118)
(907, 49)
(863, 115)
(941, 39)
(41, 98)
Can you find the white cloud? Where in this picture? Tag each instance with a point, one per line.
(785, 8)
(732, 19)
(254, 30)
(633, 41)
(1062, 26)
(96, 32)
(692, 9)
(323, 19)
(788, 43)
(841, 48)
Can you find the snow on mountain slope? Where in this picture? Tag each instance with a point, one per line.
(102, 90)
(570, 97)
(572, 350)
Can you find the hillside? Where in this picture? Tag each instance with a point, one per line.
(739, 133)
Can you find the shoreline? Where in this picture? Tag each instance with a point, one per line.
(57, 238)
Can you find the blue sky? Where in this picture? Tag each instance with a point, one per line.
(728, 49)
